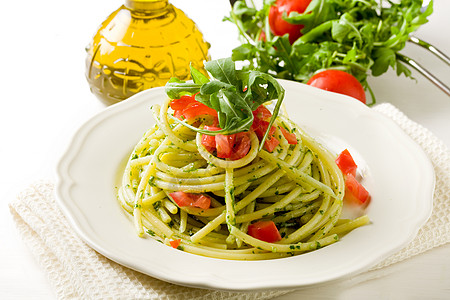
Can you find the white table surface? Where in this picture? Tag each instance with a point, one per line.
(45, 97)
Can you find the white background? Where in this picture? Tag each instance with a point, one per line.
(45, 97)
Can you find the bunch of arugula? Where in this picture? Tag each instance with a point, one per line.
(361, 37)
(233, 93)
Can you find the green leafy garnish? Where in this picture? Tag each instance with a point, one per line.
(233, 93)
(361, 37)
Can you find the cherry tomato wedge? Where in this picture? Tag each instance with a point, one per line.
(289, 136)
(346, 163)
(338, 81)
(260, 124)
(355, 193)
(262, 113)
(241, 146)
(188, 108)
(281, 27)
(209, 141)
(233, 146)
(189, 199)
(224, 145)
(198, 109)
(181, 103)
(271, 143)
(265, 231)
(175, 243)
(202, 201)
(260, 127)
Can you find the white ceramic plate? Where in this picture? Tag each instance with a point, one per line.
(396, 171)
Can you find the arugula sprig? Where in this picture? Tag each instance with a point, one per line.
(233, 93)
(361, 37)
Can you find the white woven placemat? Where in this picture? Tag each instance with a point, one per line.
(78, 272)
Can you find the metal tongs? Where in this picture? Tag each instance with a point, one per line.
(421, 69)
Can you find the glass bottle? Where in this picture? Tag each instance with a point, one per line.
(142, 45)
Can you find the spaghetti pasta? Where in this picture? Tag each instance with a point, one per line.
(298, 186)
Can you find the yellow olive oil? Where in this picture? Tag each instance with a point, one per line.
(142, 45)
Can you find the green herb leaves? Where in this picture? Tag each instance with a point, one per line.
(360, 37)
(233, 93)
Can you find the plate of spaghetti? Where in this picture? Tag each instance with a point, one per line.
(238, 181)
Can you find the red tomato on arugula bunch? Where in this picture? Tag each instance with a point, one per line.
(278, 25)
(355, 193)
(339, 82)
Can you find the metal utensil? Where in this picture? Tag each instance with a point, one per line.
(420, 68)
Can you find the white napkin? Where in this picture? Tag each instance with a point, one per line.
(78, 272)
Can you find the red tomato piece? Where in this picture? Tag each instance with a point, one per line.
(262, 113)
(271, 143)
(224, 145)
(241, 146)
(339, 82)
(346, 163)
(257, 128)
(188, 199)
(265, 231)
(178, 105)
(178, 114)
(189, 108)
(181, 103)
(202, 201)
(182, 198)
(175, 243)
(209, 141)
(289, 136)
(197, 109)
(272, 129)
(234, 146)
(281, 27)
(355, 193)
(260, 127)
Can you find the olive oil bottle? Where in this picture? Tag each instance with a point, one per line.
(142, 45)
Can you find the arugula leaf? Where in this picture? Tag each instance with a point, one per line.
(223, 70)
(176, 88)
(384, 57)
(197, 76)
(362, 37)
(233, 93)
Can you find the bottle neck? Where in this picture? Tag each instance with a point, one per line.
(146, 5)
